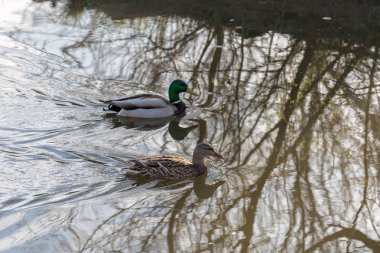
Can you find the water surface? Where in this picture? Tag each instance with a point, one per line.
(289, 94)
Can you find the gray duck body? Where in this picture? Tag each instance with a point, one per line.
(152, 105)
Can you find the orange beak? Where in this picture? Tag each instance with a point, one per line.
(191, 92)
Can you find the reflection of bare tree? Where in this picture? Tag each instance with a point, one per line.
(297, 116)
(348, 233)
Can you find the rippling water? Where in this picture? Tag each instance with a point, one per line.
(292, 103)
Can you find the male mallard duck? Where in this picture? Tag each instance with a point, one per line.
(152, 105)
(173, 167)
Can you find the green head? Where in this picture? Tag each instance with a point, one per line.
(176, 87)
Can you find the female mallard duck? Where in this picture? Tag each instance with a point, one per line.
(152, 105)
(173, 167)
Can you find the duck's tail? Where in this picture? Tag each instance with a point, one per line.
(112, 107)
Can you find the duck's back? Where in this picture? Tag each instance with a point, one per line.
(166, 167)
(141, 101)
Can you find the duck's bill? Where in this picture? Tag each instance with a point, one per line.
(190, 91)
(217, 155)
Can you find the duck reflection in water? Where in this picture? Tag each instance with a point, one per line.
(203, 190)
(176, 131)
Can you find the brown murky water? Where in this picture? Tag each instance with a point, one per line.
(289, 94)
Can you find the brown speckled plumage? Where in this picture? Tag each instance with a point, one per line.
(173, 167)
